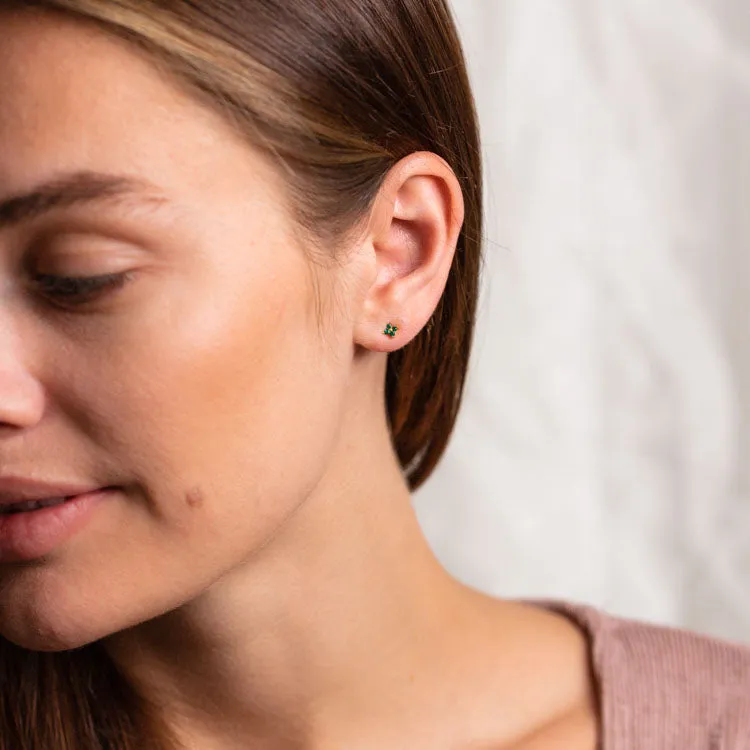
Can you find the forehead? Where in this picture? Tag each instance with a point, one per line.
(74, 98)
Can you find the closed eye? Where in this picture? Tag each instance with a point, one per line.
(81, 290)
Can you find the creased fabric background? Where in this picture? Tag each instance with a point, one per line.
(602, 452)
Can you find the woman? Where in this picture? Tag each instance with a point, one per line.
(240, 250)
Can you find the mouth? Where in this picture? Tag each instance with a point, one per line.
(31, 529)
(33, 505)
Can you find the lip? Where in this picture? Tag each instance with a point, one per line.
(16, 489)
(33, 534)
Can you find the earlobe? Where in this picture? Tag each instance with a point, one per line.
(416, 222)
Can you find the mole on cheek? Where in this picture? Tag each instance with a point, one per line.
(194, 497)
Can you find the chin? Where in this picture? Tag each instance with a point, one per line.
(52, 634)
(48, 642)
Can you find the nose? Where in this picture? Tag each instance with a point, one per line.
(20, 401)
(21, 395)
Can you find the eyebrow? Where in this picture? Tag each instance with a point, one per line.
(74, 189)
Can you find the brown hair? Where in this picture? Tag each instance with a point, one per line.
(338, 92)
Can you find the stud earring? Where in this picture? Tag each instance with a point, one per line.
(391, 330)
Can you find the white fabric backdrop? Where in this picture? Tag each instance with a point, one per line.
(602, 453)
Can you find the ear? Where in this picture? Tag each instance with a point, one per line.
(413, 231)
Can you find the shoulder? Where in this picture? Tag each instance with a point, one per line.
(670, 685)
(665, 654)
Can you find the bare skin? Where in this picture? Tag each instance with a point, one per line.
(262, 572)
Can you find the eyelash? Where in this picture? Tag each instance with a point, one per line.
(77, 291)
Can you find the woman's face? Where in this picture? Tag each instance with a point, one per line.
(202, 388)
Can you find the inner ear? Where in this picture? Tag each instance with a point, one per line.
(409, 238)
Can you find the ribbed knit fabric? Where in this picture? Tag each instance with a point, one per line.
(664, 688)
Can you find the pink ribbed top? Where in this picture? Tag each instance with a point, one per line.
(664, 688)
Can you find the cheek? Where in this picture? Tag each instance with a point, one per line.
(221, 424)
(232, 408)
